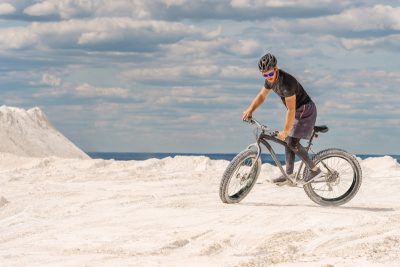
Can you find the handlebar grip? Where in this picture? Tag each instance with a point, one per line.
(249, 120)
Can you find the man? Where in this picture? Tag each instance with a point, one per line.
(300, 116)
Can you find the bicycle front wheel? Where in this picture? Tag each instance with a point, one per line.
(340, 182)
(239, 177)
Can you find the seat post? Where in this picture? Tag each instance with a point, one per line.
(310, 141)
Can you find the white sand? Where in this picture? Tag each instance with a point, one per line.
(29, 133)
(75, 212)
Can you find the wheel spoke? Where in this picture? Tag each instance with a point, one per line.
(242, 176)
(334, 165)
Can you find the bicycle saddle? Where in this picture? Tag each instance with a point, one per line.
(321, 128)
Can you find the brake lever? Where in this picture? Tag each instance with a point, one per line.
(274, 133)
(249, 120)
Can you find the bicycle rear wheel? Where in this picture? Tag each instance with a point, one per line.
(239, 177)
(340, 182)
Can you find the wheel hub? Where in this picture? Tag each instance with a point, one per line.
(243, 178)
(333, 178)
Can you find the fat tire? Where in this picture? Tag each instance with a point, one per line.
(230, 170)
(350, 193)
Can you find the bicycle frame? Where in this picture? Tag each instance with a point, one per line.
(264, 138)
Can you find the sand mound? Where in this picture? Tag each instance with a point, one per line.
(385, 163)
(29, 133)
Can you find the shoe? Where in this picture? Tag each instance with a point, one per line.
(312, 175)
(280, 180)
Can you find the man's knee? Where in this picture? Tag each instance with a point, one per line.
(293, 143)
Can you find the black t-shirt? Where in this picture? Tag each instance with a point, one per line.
(287, 86)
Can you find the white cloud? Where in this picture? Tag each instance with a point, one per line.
(51, 79)
(385, 42)
(219, 44)
(156, 73)
(181, 9)
(202, 71)
(170, 3)
(101, 33)
(193, 95)
(299, 52)
(278, 3)
(196, 48)
(52, 92)
(70, 9)
(366, 104)
(125, 8)
(246, 47)
(66, 9)
(88, 90)
(59, 88)
(240, 3)
(17, 38)
(362, 27)
(178, 73)
(239, 72)
(83, 90)
(41, 9)
(378, 17)
(166, 73)
(6, 9)
(355, 43)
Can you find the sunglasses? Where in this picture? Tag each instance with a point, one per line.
(266, 75)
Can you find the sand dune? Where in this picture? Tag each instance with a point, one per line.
(76, 212)
(30, 133)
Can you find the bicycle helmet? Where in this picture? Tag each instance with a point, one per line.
(267, 62)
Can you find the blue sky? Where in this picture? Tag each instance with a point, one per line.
(176, 75)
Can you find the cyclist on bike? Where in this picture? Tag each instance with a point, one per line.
(300, 116)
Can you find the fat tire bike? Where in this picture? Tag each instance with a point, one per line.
(339, 183)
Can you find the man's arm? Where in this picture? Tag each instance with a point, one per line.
(290, 115)
(258, 100)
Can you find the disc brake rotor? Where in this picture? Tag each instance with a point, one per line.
(244, 178)
(333, 179)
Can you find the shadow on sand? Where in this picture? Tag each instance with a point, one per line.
(316, 206)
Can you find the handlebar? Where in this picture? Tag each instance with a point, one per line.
(263, 128)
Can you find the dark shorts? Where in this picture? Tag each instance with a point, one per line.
(304, 122)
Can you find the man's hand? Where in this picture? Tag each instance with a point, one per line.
(247, 114)
(282, 135)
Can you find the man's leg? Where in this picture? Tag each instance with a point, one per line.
(295, 146)
(289, 158)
